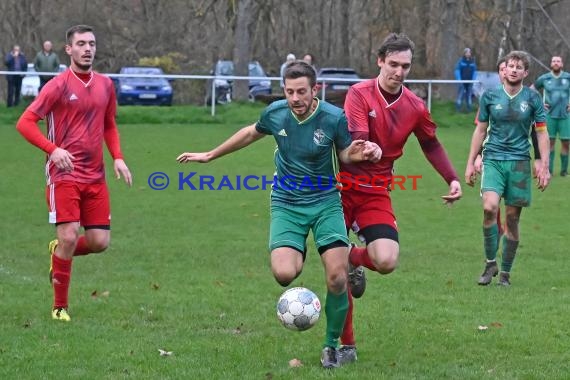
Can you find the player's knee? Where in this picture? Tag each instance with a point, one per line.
(67, 238)
(336, 281)
(385, 265)
(98, 246)
(285, 276)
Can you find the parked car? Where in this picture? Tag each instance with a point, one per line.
(335, 72)
(143, 90)
(223, 87)
(31, 81)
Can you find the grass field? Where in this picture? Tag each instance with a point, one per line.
(188, 272)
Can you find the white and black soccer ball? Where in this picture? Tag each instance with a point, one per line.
(298, 309)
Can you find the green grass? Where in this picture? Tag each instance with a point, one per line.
(188, 272)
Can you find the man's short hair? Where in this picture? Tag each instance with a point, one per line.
(76, 29)
(518, 55)
(299, 69)
(395, 43)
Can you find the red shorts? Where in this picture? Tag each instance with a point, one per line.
(86, 203)
(367, 209)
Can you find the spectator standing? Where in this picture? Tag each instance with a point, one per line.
(465, 69)
(290, 58)
(46, 61)
(15, 61)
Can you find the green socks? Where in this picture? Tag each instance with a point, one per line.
(509, 252)
(491, 241)
(564, 163)
(335, 310)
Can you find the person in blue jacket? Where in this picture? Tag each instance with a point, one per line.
(465, 69)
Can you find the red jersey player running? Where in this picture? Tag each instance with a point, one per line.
(383, 111)
(79, 107)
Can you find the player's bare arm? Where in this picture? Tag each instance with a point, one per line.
(121, 170)
(476, 143)
(542, 172)
(239, 140)
(360, 150)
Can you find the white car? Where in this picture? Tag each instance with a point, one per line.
(31, 81)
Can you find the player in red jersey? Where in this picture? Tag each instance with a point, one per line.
(79, 107)
(383, 111)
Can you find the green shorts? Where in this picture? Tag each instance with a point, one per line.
(510, 179)
(560, 127)
(290, 225)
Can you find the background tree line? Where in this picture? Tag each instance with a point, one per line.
(188, 36)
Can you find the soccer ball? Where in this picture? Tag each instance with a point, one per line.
(298, 309)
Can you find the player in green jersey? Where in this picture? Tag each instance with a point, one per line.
(555, 86)
(506, 116)
(310, 135)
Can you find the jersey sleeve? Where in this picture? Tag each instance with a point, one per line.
(425, 129)
(539, 83)
(539, 113)
(262, 125)
(356, 111)
(111, 132)
(343, 139)
(483, 110)
(46, 99)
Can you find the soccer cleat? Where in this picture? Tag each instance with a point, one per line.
(490, 271)
(563, 173)
(356, 279)
(60, 314)
(51, 248)
(346, 354)
(504, 279)
(329, 358)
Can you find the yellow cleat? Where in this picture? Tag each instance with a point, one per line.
(60, 314)
(51, 248)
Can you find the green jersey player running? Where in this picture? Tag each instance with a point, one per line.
(506, 116)
(310, 134)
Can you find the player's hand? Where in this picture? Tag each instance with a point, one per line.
(62, 159)
(454, 194)
(121, 169)
(194, 157)
(371, 152)
(470, 175)
(542, 178)
(478, 165)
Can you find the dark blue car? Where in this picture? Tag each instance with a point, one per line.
(143, 90)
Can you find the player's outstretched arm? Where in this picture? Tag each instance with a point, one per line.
(454, 194)
(240, 139)
(360, 150)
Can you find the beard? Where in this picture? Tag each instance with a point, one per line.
(81, 66)
(515, 83)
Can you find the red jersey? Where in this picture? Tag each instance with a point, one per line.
(370, 117)
(77, 115)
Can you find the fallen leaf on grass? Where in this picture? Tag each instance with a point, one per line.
(155, 286)
(496, 324)
(164, 352)
(482, 328)
(95, 294)
(295, 363)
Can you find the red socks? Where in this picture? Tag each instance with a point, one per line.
(61, 276)
(359, 256)
(81, 249)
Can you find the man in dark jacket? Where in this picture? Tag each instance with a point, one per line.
(46, 62)
(465, 69)
(15, 61)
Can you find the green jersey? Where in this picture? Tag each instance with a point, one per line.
(305, 158)
(510, 121)
(556, 93)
